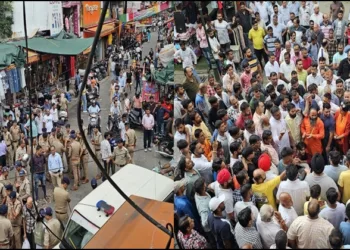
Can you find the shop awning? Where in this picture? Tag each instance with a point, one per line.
(63, 44)
(166, 75)
(107, 29)
(33, 57)
(87, 51)
(9, 54)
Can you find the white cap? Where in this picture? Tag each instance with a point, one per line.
(215, 202)
(179, 184)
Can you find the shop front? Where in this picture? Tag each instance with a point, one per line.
(91, 11)
(71, 13)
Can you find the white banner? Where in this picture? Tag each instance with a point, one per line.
(55, 17)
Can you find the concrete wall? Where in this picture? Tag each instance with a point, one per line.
(45, 15)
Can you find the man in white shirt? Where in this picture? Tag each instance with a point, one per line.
(247, 194)
(286, 68)
(287, 49)
(298, 190)
(279, 29)
(280, 132)
(188, 58)
(286, 208)
(284, 9)
(262, 8)
(54, 113)
(106, 151)
(39, 121)
(55, 167)
(334, 212)
(122, 126)
(271, 66)
(317, 16)
(222, 28)
(48, 121)
(314, 77)
(304, 14)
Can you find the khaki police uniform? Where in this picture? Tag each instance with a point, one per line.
(74, 156)
(2, 194)
(24, 190)
(15, 132)
(58, 146)
(18, 178)
(10, 152)
(6, 233)
(15, 208)
(61, 198)
(52, 137)
(130, 142)
(20, 152)
(121, 156)
(97, 148)
(66, 144)
(4, 181)
(45, 145)
(84, 158)
(50, 240)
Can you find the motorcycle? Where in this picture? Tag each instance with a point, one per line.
(162, 143)
(113, 125)
(94, 120)
(62, 117)
(134, 119)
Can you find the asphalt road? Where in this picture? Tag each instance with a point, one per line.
(145, 159)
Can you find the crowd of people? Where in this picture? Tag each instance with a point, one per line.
(262, 154)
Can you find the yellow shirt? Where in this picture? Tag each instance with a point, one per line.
(302, 76)
(257, 36)
(264, 192)
(344, 182)
(204, 128)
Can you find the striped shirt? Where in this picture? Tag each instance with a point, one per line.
(269, 42)
(253, 63)
(246, 235)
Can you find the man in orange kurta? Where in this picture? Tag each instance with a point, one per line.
(312, 130)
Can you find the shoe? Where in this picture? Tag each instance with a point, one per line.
(74, 188)
(98, 177)
(150, 149)
(84, 111)
(85, 181)
(145, 149)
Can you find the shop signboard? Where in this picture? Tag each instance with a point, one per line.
(55, 17)
(91, 13)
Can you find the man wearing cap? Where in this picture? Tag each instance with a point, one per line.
(55, 167)
(84, 157)
(74, 153)
(61, 199)
(19, 167)
(8, 140)
(264, 163)
(44, 143)
(96, 142)
(15, 131)
(24, 188)
(6, 231)
(54, 225)
(4, 177)
(224, 185)
(220, 226)
(130, 140)
(121, 155)
(14, 214)
(182, 204)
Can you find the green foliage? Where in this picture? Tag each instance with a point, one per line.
(6, 20)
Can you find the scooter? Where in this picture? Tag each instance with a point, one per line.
(162, 143)
(94, 120)
(113, 125)
(62, 117)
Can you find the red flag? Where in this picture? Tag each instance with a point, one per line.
(220, 5)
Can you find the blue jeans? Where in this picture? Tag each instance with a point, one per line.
(83, 97)
(42, 178)
(195, 74)
(160, 127)
(206, 54)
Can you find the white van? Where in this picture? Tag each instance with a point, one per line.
(85, 220)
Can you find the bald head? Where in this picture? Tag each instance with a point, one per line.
(29, 202)
(247, 246)
(313, 209)
(286, 200)
(203, 88)
(347, 95)
(259, 175)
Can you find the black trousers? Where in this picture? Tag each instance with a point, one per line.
(260, 54)
(147, 138)
(30, 237)
(3, 160)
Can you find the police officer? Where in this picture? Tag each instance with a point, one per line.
(121, 155)
(44, 143)
(74, 153)
(61, 198)
(24, 188)
(14, 214)
(6, 231)
(84, 157)
(96, 142)
(54, 225)
(19, 167)
(2, 193)
(15, 132)
(21, 150)
(52, 136)
(57, 143)
(8, 140)
(130, 140)
(4, 177)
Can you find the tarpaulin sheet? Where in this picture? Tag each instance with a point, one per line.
(10, 53)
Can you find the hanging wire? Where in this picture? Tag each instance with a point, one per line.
(104, 172)
(31, 129)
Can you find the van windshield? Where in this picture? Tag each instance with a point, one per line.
(79, 231)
